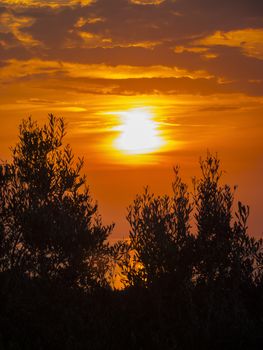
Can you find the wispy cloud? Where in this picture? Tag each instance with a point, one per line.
(249, 40)
(46, 3)
(16, 25)
(210, 46)
(16, 69)
(147, 2)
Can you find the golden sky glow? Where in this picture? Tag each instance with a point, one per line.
(143, 85)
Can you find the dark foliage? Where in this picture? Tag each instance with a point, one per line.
(192, 276)
(50, 227)
(160, 243)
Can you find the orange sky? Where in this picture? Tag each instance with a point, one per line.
(194, 67)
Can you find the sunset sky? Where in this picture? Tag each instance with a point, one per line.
(143, 85)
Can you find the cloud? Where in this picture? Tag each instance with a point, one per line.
(46, 3)
(15, 25)
(90, 40)
(14, 69)
(249, 40)
(90, 20)
(121, 80)
(203, 51)
(119, 39)
(147, 2)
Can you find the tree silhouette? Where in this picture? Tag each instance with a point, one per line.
(225, 251)
(159, 242)
(199, 279)
(50, 226)
(225, 255)
(193, 277)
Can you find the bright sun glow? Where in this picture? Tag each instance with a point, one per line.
(139, 132)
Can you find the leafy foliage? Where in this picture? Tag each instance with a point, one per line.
(50, 226)
(159, 240)
(225, 252)
(193, 277)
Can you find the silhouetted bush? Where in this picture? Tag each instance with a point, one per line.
(202, 274)
(160, 243)
(50, 226)
(192, 276)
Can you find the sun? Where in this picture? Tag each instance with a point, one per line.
(139, 132)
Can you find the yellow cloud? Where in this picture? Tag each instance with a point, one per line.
(12, 24)
(91, 20)
(46, 3)
(80, 22)
(249, 40)
(91, 40)
(18, 69)
(203, 51)
(147, 2)
(181, 49)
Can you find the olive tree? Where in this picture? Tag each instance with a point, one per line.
(225, 253)
(49, 225)
(159, 241)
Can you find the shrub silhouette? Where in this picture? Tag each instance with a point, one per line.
(193, 276)
(225, 252)
(200, 279)
(225, 255)
(160, 239)
(218, 249)
(50, 228)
